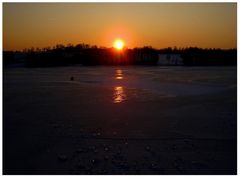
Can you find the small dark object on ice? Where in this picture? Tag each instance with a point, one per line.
(72, 78)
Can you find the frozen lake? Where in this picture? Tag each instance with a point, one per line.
(160, 120)
(155, 81)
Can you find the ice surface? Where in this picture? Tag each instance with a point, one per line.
(120, 120)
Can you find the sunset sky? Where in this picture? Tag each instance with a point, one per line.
(160, 25)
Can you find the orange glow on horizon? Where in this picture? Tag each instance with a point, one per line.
(46, 26)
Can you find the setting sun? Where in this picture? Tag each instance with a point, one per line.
(118, 44)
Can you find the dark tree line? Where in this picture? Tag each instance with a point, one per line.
(194, 56)
(85, 54)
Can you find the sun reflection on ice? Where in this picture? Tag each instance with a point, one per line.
(119, 75)
(119, 94)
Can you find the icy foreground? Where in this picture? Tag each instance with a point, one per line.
(120, 120)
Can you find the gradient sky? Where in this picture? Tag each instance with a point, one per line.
(206, 25)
